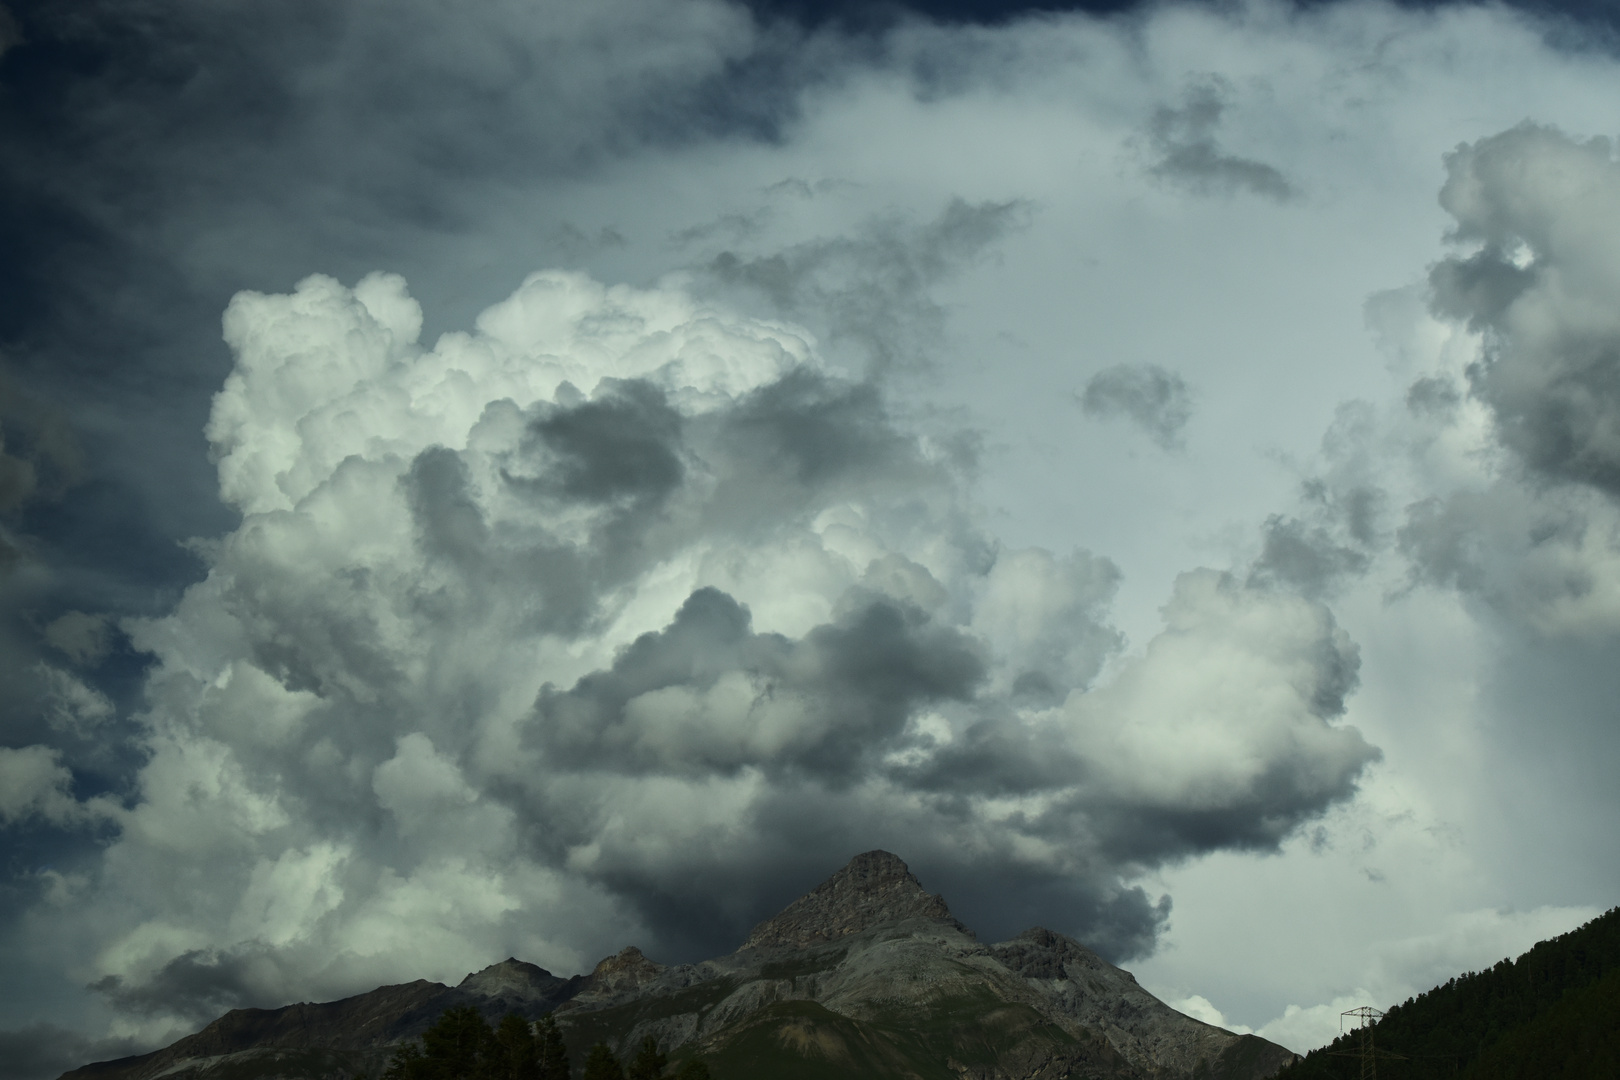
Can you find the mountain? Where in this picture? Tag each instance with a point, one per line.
(353, 1037)
(1554, 1012)
(866, 975)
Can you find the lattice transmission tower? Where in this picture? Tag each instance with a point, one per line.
(1363, 1020)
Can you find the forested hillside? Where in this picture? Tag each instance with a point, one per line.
(1552, 1013)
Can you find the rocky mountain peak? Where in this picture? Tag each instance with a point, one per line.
(510, 979)
(875, 887)
(627, 970)
(626, 959)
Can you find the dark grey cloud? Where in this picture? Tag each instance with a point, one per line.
(1122, 923)
(65, 674)
(616, 447)
(643, 653)
(155, 159)
(1182, 138)
(1540, 563)
(798, 443)
(1342, 519)
(42, 1051)
(159, 157)
(618, 453)
(16, 479)
(1434, 396)
(84, 639)
(1305, 557)
(804, 830)
(1001, 758)
(1544, 561)
(198, 985)
(1573, 24)
(873, 290)
(1442, 540)
(664, 708)
(574, 245)
(1151, 397)
(730, 228)
(41, 457)
(809, 431)
(342, 718)
(822, 705)
(1478, 288)
(1340, 526)
(1542, 207)
(449, 520)
(1537, 213)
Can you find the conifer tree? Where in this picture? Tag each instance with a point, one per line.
(551, 1054)
(695, 1069)
(406, 1064)
(600, 1064)
(515, 1050)
(458, 1047)
(649, 1061)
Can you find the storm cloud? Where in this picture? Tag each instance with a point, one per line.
(402, 628)
(874, 290)
(480, 625)
(1536, 212)
(1183, 141)
(1154, 399)
(1544, 210)
(708, 695)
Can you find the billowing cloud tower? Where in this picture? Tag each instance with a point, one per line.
(622, 613)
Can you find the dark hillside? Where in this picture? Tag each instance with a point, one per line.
(1553, 1012)
(1575, 1039)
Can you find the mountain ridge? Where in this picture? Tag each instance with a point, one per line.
(867, 974)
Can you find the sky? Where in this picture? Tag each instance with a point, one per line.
(524, 479)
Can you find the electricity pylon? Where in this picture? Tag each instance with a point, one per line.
(1363, 1019)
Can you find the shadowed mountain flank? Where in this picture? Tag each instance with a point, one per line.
(867, 975)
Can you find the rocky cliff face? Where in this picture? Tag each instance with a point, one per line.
(867, 975)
